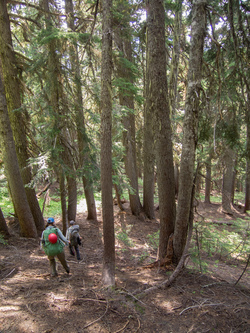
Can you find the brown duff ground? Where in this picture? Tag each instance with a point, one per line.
(33, 302)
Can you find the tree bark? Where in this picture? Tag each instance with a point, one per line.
(25, 218)
(108, 272)
(198, 31)
(63, 196)
(247, 191)
(159, 106)
(18, 118)
(227, 184)
(148, 149)
(208, 179)
(3, 225)
(175, 59)
(70, 173)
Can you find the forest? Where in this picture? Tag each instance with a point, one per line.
(131, 118)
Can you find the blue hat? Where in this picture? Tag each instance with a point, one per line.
(50, 220)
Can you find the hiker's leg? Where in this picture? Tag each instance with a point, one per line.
(52, 262)
(61, 257)
(71, 251)
(77, 253)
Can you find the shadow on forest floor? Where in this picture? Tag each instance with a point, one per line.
(32, 301)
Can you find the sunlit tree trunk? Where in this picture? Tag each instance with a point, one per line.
(17, 113)
(159, 105)
(108, 272)
(25, 218)
(198, 31)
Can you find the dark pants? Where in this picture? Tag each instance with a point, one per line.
(52, 262)
(72, 252)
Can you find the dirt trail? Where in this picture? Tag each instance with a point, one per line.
(33, 302)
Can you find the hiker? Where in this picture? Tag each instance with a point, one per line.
(53, 242)
(73, 236)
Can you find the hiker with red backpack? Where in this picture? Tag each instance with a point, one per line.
(53, 242)
(74, 238)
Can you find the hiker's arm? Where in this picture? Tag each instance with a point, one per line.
(60, 234)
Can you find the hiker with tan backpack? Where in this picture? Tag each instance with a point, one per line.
(53, 242)
(74, 238)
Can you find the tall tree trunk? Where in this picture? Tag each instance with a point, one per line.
(158, 105)
(148, 154)
(148, 149)
(25, 218)
(189, 142)
(63, 196)
(208, 179)
(108, 273)
(229, 160)
(236, 18)
(175, 59)
(3, 225)
(127, 100)
(148, 165)
(67, 157)
(176, 178)
(247, 191)
(17, 119)
(72, 197)
(83, 145)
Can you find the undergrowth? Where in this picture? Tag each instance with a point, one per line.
(220, 242)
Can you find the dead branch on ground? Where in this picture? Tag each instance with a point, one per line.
(93, 322)
(243, 270)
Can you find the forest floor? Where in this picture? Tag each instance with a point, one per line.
(33, 302)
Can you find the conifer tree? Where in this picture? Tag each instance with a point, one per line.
(25, 218)
(17, 113)
(189, 141)
(108, 273)
(159, 108)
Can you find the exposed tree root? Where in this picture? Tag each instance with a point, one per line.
(175, 273)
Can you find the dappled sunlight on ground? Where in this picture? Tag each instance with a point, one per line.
(33, 302)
